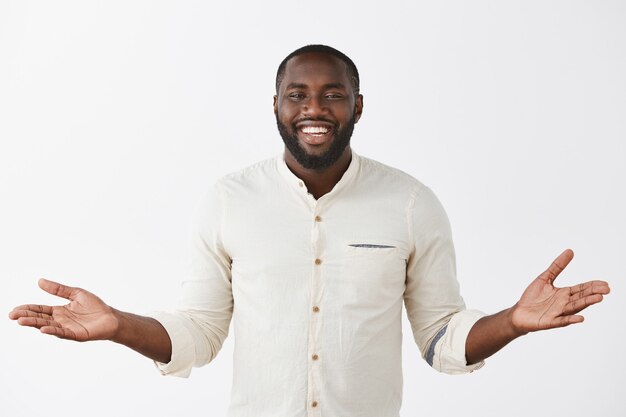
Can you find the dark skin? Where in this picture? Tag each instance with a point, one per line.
(541, 307)
(86, 317)
(315, 87)
(304, 93)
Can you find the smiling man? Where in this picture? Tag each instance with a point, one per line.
(316, 106)
(312, 254)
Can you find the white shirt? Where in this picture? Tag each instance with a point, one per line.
(315, 290)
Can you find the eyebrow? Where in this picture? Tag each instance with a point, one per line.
(304, 86)
(334, 85)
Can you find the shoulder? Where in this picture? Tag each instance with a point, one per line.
(389, 176)
(254, 178)
(239, 187)
(260, 170)
(417, 196)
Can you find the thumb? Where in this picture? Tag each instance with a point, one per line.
(558, 265)
(57, 289)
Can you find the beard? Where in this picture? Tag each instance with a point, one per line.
(338, 145)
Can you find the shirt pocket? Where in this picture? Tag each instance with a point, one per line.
(374, 271)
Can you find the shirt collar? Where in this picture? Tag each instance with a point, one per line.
(299, 185)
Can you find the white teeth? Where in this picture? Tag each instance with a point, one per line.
(315, 130)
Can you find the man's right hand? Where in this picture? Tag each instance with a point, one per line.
(86, 317)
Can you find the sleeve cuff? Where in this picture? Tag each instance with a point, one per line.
(449, 354)
(183, 350)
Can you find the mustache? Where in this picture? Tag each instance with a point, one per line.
(312, 119)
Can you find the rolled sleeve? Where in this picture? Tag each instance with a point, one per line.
(183, 351)
(449, 349)
(198, 328)
(435, 308)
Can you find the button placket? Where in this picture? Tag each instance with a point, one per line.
(317, 239)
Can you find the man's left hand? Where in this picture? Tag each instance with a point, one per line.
(544, 306)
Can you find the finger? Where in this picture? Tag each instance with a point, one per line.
(566, 321)
(16, 314)
(575, 306)
(557, 266)
(36, 322)
(34, 308)
(58, 289)
(588, 288)
(60, 332)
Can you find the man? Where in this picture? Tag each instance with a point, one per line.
(312, 254)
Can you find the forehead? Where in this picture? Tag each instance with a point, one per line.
(314, 69)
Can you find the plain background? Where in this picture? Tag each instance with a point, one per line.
(116, 116)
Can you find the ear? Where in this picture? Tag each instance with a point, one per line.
(358, 107)
(275, 104)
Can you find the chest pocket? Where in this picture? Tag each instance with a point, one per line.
(373, 272)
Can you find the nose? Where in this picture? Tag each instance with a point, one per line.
(314, 107)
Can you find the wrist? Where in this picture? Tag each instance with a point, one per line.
(119, 327)
(515, 325)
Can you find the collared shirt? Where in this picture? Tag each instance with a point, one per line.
(315, 290)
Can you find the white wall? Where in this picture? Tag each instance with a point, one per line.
(115, 116)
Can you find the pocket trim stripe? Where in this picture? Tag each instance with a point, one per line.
(370, 245)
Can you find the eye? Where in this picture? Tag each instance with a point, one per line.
(296, 95)
(334, 96)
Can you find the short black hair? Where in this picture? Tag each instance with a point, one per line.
(322, 49)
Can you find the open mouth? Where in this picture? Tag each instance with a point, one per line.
(315, 133)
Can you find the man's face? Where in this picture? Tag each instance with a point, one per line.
(316, 109)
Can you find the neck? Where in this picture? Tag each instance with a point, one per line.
(320, 182)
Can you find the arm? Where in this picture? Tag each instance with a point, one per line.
(542, 306)
(144, 335)
(190, 336)
(88, 318)
(439, 319)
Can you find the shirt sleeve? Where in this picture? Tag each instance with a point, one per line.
(198, 328)
(439, 320)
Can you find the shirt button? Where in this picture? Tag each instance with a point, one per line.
(318, 261)
(301, 184)
(316, 309)
(314, 404)
(318, 219)
(315, 357)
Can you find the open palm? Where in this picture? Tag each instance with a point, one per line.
(85, 317)
(544, 306)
